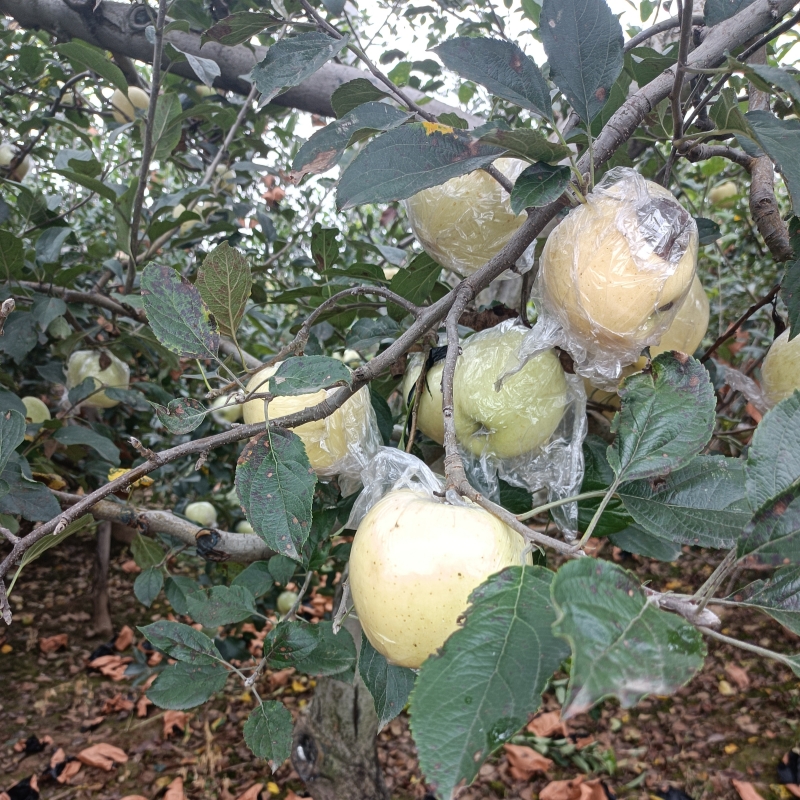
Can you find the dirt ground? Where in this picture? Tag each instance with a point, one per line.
(735, 721)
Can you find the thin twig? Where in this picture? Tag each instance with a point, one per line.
(660, 27)
(751, 648)
(418, 389)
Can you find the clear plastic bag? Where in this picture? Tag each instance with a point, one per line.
(338, 446)
(466, 221)
(613, 274)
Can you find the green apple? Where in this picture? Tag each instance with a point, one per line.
(780, 372)
(124, 108)
(285, 601)
(414, 562)
(202, 513)
(602, 278)
(224, 411)
(724, 194)
(36, 412)
(7, 155)
(466, 221)
(104, 368)
(226, 178)
(328, 440)
(244, 527)
(429, 412)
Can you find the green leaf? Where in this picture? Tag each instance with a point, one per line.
(46, 309)
(307, 375)
(355, 93)
(667, 418)
(95, 59)
(408, 159)
(780, 139)
(224, 282)
(325, 246)
(166, 127)
(73, 434)
(538, 186)
(728, 116)
(389, 685)
(790, 294)
(12, 255)
(147, 585)
(222, 606)
(290, 642)
(240, 27)
(368, 332)
(634, 539)
(776, 77)
(50, 243)
(333, 654)
(502, 67)
(488, 678)
(773, 534)
(282, 569)
(704, 504)
(12, 434)
(524, 143)
(622, 645)
(415, 282)
(268, 732)
(778, 596)
(598, 475)
(708, 231)
(26, 497)
(146, 552)
(716, 11)
(290, 61)
(178, 315)
(181, 642)
(130, 397)
(256, 578)
(181, 686)
(583, 41)
(177, 588)
(181, 415)
(275, 483)
(325, 148)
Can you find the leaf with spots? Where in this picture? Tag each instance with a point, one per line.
(308, 374)
(224, 282)
(275, 484)
(622, 645)
(539, 185)
(178, 315)
(268, 732)
(181, 415)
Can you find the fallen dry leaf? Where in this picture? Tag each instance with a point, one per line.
(174, 723)
(593, 790)
(563, 790)
(71, 769)
(111, 666)
(252, 793)
(738, 675)
(141, 706)
(546, 724)
(292, 796)
(175, 790)
(793, 789)
(4, 796)
(124, 638)
(51, 644)
(102, 756)
(131, 567)
(746, 790)
(134, 797)
(117, 703)
(280, 677)
(525, 762)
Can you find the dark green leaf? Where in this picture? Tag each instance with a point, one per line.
(622, 645)
(95, 59)
(583, 41)
(334, 654)
(19, 336)
(223, 606)
(325, 148)
(290, 61)
(416, 281)
(790, 294)
(81, 161)
(92, 184)
(177, 588)
(383, 415)
(46, 309)
(49, 244)
(778, 596)
(325, 246)
(205, 68)
(389, 685)
(667, 418)
(308, 374)
(780, 139)
(453, 120)
(12, 255)
(224, 282)
(524, 143)
(773, 534)
(147, 585)
(241, 27)
(276, 484)
(290, 642)
(775, 76)
(178, 315)
(181, 642)
(368, 332)
(130, 397)
(26, 497)
(256, 578)
(12, 434)
(282, 569)
(408, 159)
(708, 230)
(728, 116)
(703, 504)
(73, 434)
(146, 552)
(268, 732)
(488, 678)
(716, 11)
(166, 127)
(181, 415)
(181, 686)
(538, 186)
(598, 475)
(353, 94)
(501, 67)
(634, 539)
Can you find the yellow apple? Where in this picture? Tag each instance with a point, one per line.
(202, 513)
(36, 412)
(429, 412)
(227, 178)
(7, 155)
(724, 194)
(414, 562)
(602, 278)
(327, 441)
(244, 527)
(780, 372)
(224, 411)
(124, 108)
(204, 91)
(104, 368)
(461, 224)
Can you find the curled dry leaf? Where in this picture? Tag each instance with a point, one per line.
(252, 793)
(738, 675)
(111, 666)
(546, 724)
(124, 638)
(746, 790)
(525, 762)
(174, 723)
(175, 790)
(103, 756)
(71, 769)
(117, 703)
(141, 706)
(134, 797)
(131, 567)
(57, 758)
(51, 644)
(576, 789)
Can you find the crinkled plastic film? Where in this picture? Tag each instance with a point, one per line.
(613, 274)
(338, 446)
(466, 221)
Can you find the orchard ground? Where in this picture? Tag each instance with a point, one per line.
(735, 720)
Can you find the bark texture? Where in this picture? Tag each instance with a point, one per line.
(102, 611)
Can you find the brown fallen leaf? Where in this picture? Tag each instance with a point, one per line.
(57, 757)
(252, 793)
(525, 762)
(111, 666)
(4, 796)
(117, 703)
(131, 567)
(102, 756)
(563, 790)
(292, 796)
(71, 769)
(546, 724)
(738, 675)
(124, 638)
(141, 706)
(175, 790)
(51, 644)
(746, 790)
(280, 677)
(134, 797)
(92, 724)
(174, 723)
(793, 789)
(593, 790)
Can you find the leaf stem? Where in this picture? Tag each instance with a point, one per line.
(562, 502)
(752, 648)
(612, 490)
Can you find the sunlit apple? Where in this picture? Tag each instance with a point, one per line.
(124, 108)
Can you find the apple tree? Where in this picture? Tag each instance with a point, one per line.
(245, 273)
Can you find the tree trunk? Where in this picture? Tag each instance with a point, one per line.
(334, 749)
(102, 614)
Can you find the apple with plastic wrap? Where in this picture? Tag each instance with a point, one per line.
(780, 372)
(7, 155)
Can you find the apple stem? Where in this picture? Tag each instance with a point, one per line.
(561, 502)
